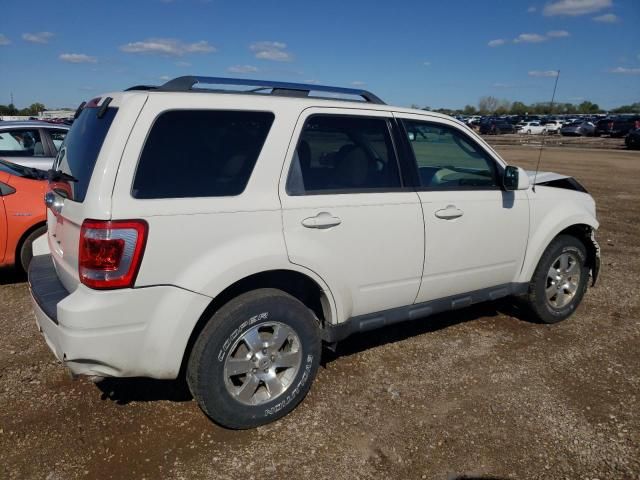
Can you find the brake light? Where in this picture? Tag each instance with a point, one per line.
(111, 252)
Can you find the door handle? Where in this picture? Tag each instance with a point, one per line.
(321, 220)
(449, 213)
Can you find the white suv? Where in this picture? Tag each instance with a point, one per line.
(225, 235)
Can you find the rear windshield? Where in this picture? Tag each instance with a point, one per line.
(81, 147)
(21, 171)
(200, 153)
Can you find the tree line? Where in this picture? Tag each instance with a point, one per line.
(32, 110)
(486, 106)
(496, 106)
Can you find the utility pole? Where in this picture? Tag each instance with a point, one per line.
(11, 98)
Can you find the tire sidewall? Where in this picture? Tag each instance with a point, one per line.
(226, 328)
(26, 249)
(548, 313)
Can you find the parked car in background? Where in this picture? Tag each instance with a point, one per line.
(603, 126)
(623, 125)
(495, 127)
(31, 143)
(578, 129)
(533, 128)
(473, 120)
(22, 212)
(552, 126)
(632, 140)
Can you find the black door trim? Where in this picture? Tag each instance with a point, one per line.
(372, 321)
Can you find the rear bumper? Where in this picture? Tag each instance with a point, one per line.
(116, 333)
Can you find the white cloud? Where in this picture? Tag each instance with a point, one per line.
(496, 43)
(358, 83)
(4, 40)
(275, 51)
(529, 38)
(183, 64)
(167, 46)
(165, 78)
(607, 18)
(532, 9)
(537, 38)
(242, 69)
(626, 71)
(558, 33)
(77, 58)
(426, 64)
(39, 37)
(575, 7)
(543, 73)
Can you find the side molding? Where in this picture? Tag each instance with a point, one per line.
(372, 321)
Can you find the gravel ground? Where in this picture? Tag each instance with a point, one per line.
(479, 393)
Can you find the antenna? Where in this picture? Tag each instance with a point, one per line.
(553, 97)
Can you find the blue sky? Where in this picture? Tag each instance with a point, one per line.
(436, 53)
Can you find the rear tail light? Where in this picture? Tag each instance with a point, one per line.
(111, 252)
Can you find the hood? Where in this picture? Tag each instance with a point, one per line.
(556, 180)
(544, 177)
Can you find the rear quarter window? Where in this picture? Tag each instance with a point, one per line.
(200, 153)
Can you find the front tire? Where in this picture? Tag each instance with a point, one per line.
(255, 360)
(560, 280)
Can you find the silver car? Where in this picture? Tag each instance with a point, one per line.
(578, 129)
(31, 143)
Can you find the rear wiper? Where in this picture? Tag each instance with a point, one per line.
(57, 175)
(36, 173)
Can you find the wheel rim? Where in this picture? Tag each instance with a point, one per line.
(563, 280)
(262, 363)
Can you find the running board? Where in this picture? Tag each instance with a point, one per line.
(372, 321)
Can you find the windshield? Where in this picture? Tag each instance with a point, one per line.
(20, 171)
(81, 147)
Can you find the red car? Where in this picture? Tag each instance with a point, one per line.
(22, 212)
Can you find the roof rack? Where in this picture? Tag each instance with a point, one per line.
(186, 84)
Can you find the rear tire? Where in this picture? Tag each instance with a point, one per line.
(26, 248)
(560, 280)
(255, 360)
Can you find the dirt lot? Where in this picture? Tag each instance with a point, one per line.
(479, 393)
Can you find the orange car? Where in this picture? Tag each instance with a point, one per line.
(22, 212)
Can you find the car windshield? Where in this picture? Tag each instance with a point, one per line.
(20, 171)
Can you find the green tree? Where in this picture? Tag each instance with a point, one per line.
(34, 109)
(588, 107)
(8, 109)
(633, 108)
(469, 110)
(519, 108)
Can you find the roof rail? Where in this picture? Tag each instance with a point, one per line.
(186, 84)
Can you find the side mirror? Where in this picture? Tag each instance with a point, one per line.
(515, 178)
(412, 136)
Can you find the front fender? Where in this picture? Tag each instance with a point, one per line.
(549, 217)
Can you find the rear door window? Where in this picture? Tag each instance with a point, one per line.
(21, 143)
(79, 153)
(200, 153)
(343, 154)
